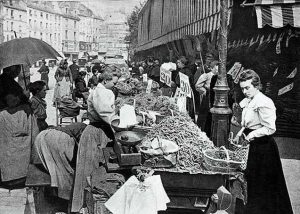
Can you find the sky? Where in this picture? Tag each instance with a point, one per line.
(104, 7)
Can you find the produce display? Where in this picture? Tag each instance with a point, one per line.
(130, 86)
(144, 102)
(190, 139)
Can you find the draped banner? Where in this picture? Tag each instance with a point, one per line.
(277, 13)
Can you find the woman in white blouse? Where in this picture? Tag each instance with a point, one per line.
(267, 191)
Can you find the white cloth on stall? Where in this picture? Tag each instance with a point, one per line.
(136, 197)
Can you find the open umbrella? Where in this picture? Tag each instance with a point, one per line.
(25, 51)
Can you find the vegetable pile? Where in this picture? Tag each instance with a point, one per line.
(149, 102)
(190, 139)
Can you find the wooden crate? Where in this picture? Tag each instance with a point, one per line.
(124, 159)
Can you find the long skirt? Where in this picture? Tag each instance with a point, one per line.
(62, 88)
(45, 78)
(267, 191)
(89, 156)
(55, 149)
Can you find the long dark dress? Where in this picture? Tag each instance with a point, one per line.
(267, 191)
(44, 71)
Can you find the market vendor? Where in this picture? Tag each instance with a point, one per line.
(101, 108)
(81, 91)
(267, 191)
(56, 148)
(183, 67)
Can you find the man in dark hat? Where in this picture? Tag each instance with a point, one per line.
(74, 70)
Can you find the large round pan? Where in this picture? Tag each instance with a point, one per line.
(129, 138)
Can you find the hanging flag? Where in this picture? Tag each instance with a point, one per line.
(285, 89)
(261, 40)
(235, 69)
(237, 77)
(274, 37)
(251, 41)
(278, 48)
(293, 74)
(290, 35)
(275, 72)
(269, 38)
(233, 44)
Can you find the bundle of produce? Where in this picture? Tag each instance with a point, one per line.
(190, 139)
(144, 101)
(124, 88)
(166, 106)
(137, 86)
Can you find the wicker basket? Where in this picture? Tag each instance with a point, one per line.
(241, 151)
(229, 165)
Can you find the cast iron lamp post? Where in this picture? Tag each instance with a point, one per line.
(220, 110)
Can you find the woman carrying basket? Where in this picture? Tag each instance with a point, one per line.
(267, 191)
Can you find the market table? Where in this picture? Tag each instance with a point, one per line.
(189, 193)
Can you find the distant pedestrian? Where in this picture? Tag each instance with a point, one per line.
(64, 81)
(44, 71)
(74, 70)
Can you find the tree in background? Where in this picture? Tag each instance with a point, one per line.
(132, 22)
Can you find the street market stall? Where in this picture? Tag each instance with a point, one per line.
(158, 137)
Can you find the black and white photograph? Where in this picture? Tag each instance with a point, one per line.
(149, 107)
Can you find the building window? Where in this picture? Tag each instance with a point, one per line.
(74, 24)
(66, 34)
(35, 25)
(20, 16)
(7, 37)
(12, 14)
(46, 25)
(67, 9)
(41, 14)
(30, 23)
(6, 11)
(46, 16)
(20, 28)
(41, 35)
(41, 24)
(75, 36)
(11, 26)
(7, 25)
(29, 33)
(30, 12)
(35, 13)
(11, 37)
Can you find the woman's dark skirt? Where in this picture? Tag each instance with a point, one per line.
(267, 191)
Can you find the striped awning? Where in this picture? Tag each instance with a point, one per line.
(277, 13)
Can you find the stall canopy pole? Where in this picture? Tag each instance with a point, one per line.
(221, 111)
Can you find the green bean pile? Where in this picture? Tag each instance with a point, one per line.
(190, 139)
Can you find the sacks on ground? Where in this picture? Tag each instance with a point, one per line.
(68, 107)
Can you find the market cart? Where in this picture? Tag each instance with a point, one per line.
(189, 193)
